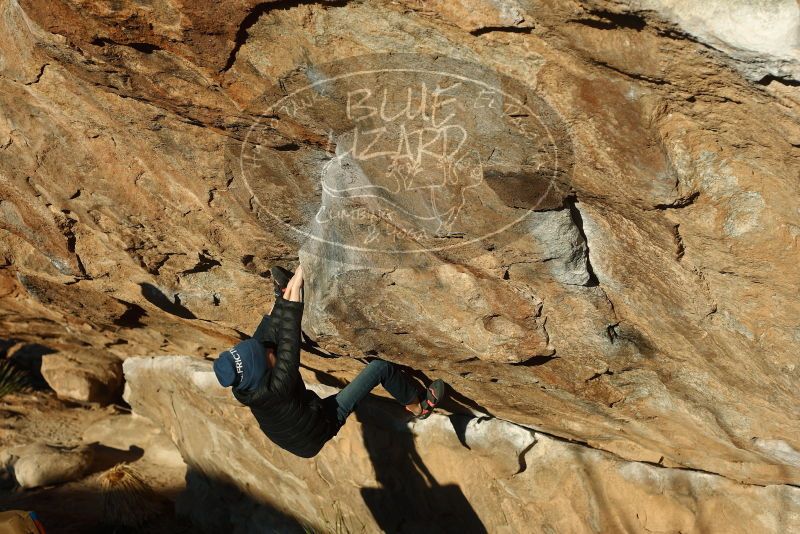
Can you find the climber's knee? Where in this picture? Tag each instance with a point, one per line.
(378, 365)
(381, 369)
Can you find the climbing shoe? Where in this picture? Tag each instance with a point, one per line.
(280, 278)
(434, 395)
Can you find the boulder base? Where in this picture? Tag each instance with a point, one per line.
(39, 464)
(471, 473)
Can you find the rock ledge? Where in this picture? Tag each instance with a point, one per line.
(495, 473)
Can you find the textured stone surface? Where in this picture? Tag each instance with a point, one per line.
(127, 432)
(463, 471)
(39, 464)
(83, 377)
(647, 306)
(762, 36)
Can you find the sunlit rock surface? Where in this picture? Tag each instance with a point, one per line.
(448, 473)
(641, 297)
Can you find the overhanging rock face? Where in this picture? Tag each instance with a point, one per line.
(644, 300)
(447, 473)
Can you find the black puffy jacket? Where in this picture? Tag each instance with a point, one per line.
(294, 418)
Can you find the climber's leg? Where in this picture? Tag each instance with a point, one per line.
(402, 387)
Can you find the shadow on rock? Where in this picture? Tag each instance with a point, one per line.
(311, 346)
(77, 508)
(409, 498)
(456, 402)
(206, 505)
(105, 457)
(27, 357)
(218, 506)
(157, 298)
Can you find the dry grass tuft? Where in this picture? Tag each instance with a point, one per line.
(128, 500)
(12, 380)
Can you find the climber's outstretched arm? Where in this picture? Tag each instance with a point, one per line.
(287, 316)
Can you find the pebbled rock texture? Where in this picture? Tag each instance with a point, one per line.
(642, 302)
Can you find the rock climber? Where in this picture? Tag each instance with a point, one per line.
(264, 373)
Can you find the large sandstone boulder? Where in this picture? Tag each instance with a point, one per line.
(453, 473)
(609, 257)
(40, 464)
(83, 376)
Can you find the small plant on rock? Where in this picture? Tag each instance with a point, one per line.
(12, 380)
(128, 500)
